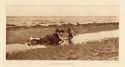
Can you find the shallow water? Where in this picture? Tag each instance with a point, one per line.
(98, 36)
(78, 39)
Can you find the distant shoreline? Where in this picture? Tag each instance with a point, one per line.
(14, 26)
(58, 20)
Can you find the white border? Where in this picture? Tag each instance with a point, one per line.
(46, 63)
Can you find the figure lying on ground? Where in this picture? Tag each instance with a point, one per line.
(52, 39)
(70, 35)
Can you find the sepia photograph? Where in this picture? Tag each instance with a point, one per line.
(62, 32)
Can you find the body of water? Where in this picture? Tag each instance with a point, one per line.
(58, 20)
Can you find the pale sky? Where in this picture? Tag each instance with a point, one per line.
(63, 2)
(62, 8)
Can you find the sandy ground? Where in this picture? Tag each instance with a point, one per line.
(79, 39)
(21, 47)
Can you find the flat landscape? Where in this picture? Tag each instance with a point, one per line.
(104, 50)
(22, 34)
(89, 48)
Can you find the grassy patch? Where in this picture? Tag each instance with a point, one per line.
(103, 50)
(22, 34)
